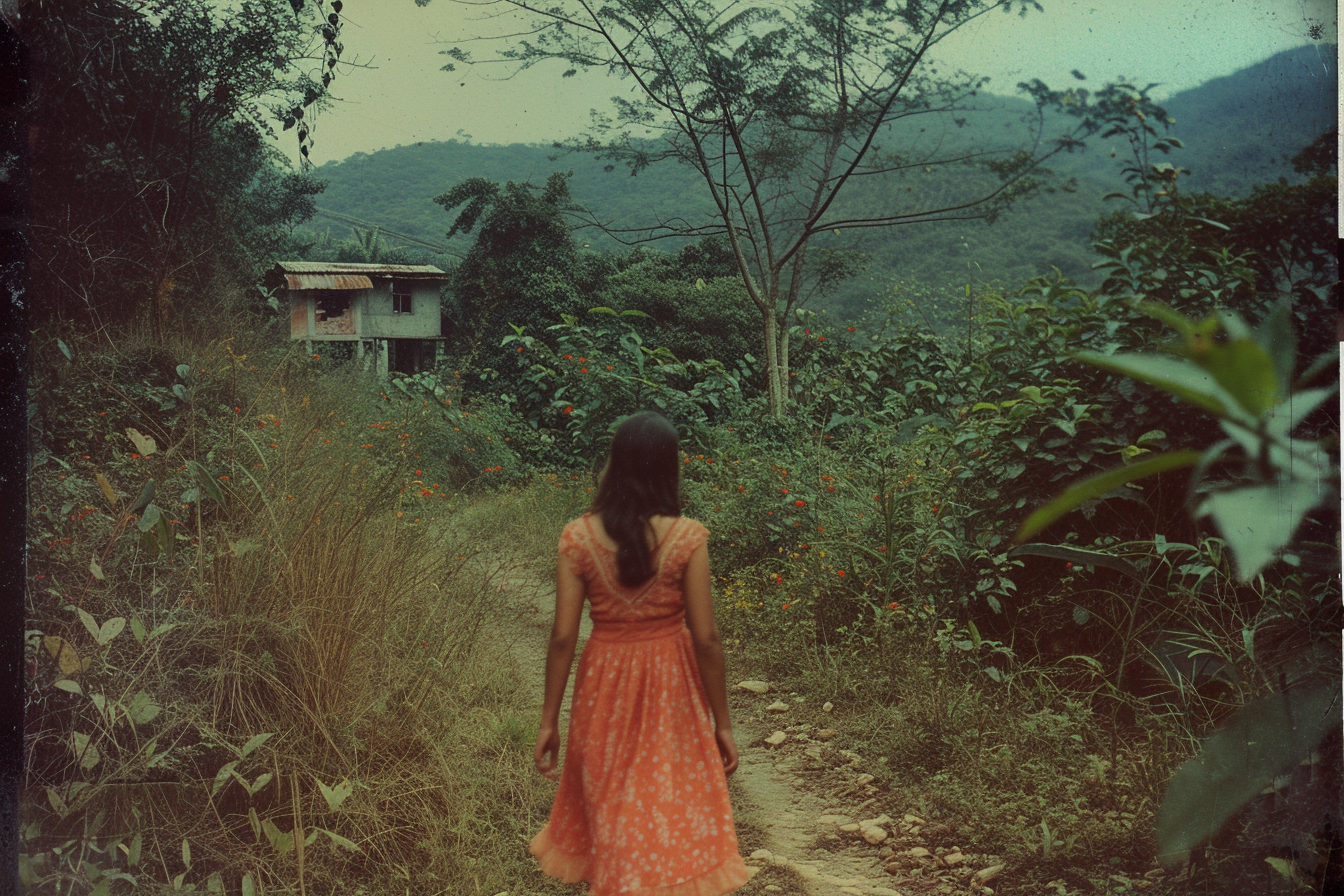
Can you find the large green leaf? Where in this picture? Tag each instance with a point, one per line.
(1277, 336)
(1246, 371)
(1288, 414)
(1101, 484)
(1184, 379)
(1258, 520)
(1265, 738)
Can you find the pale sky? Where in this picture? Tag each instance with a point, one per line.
(405, 98)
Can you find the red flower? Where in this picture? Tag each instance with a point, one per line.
(779, 580)
(893, 605)
(569, 408)
(786, 606)
(799, 503)
(583, 370)
(840, 573)
(851, 329)
(783, 491)
(569, 357)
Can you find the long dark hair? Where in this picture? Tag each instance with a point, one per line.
(642, 479)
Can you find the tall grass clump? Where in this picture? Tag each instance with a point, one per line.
(254, 658)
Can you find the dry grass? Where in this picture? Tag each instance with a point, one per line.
(307, 659)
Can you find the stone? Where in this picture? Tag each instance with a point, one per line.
(771, 888)
(755, 687)
(881, 819)
(887, 852)
(873, 833)
(835, 819)
(894, 868)
(850, 828)
(763, 855)
(777, 738)
(918, 852)
(864, 779)
(777, 706)
(825, 734)
(985, 875)
(827, 706)
(953, 859)
(913, 820)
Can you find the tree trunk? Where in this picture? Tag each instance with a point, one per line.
(773, 373)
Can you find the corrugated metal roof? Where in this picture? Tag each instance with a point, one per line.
(328, 281)
(408, 271)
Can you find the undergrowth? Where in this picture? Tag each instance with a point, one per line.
(254, 653)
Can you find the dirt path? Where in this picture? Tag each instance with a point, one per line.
(797, 803)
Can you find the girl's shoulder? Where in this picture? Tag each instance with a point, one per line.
(575, 534)
(690, 530)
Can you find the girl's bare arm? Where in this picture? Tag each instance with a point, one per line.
(709, 650)
(569, 594)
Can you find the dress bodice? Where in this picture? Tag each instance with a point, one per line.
(647, 609)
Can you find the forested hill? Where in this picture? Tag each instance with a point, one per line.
(1239, 131)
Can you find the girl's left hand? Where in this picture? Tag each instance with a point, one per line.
(546, 754)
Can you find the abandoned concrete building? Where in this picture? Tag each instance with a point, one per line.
(389, 311)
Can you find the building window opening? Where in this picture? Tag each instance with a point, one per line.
(332, 305)
(401, 298)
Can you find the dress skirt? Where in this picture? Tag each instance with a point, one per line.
(642, 807)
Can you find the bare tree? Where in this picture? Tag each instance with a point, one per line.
(781, 107)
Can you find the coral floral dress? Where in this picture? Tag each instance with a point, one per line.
(642, 808)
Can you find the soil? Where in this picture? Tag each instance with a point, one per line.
(781, 794)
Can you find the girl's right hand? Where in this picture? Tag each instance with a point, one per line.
(727, 749)
(547, 751)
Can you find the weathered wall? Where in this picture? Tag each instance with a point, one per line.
(298, 314)
(422, 323)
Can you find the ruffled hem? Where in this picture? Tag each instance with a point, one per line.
(572, 869)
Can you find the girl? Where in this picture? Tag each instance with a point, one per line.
(642, 808)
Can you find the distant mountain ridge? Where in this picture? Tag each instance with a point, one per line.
(1239, 131)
